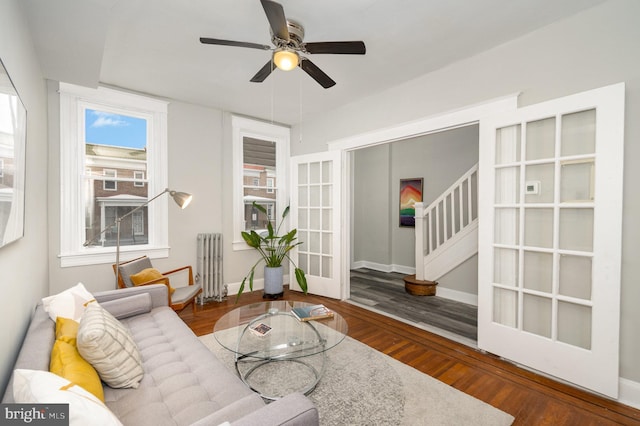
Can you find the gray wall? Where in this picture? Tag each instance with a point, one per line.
(440, 159)
(589, 50)
(24, 262)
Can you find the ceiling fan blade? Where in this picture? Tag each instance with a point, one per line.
(336, 47)
(205, 40)
(264, 72)
(277, 19)
(316, 73)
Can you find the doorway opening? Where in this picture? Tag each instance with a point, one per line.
(383, 251)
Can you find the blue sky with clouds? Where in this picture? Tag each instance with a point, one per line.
(105, 128)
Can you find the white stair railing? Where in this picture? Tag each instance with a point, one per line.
(449, 220)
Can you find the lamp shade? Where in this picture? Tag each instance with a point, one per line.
(181, 198)
(285, 59)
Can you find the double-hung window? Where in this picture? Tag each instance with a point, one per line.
(260, 166)
(113, 159)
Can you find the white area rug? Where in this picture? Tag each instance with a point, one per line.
(362, 386)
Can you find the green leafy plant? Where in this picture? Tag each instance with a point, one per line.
(273, 249)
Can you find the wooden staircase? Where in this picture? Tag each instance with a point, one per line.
(447, 229)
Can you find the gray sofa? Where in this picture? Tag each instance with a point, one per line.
(183, 383)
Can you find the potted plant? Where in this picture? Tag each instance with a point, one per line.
(273, 249)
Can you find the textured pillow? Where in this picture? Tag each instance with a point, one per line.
(66, 360)
(42, 387)
(68, 304)
(108, 346)
(147, 275)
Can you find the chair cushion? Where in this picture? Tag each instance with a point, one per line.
(184, 294)
(43, 387)
(108, 346)
(146, 275)
(66, 360)
(133, 267)
(69, 303)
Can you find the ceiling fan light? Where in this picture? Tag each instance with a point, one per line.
(285, 59)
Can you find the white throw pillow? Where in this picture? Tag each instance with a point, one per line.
(109, 347)
(43, 387)
(70, 303)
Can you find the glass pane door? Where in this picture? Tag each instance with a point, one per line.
(550, 233)
(316, 215)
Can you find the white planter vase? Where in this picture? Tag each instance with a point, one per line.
(273, 278)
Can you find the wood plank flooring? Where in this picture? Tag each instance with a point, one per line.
(530, 398)
(385, 292)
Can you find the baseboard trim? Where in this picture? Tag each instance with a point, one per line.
(258, 284)
(458, 296)
(629, 393)
(383, 267)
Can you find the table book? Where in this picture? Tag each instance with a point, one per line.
(260, 329)
(313, 312)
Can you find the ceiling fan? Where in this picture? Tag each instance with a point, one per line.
(287, 37)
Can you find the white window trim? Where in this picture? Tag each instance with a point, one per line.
(106, 173)
(138, 178)
(73, 101)
(244, 127)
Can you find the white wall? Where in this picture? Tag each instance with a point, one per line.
(24, 262)
(592, 49)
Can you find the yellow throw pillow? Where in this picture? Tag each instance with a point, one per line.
(67, 362)
(66, 329)
(147, 275)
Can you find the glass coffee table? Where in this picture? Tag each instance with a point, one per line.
(289, 357)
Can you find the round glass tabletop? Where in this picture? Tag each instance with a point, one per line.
(269, 331)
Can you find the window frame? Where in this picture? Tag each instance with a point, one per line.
(110, 173)
(138, 178)
(73, 102)
(244, 127)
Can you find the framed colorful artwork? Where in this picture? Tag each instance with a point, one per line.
(410, 194)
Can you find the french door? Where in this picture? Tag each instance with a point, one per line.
(550, 208)
(315, 212)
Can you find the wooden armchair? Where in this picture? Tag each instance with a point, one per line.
(140, 271)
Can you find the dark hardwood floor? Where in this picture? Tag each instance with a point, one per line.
(385, 292)
(532, 399)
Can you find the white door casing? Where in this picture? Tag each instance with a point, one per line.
(550, 231)
(316, 181)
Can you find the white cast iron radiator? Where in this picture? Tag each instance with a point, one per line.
(209, 267)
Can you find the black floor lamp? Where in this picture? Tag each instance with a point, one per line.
(181, 198)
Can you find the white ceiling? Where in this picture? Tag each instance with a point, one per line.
(152, 46)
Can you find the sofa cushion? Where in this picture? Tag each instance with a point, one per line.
(66, 360)
(69, 303)
(43, 387)
(129, 306)
(183, 381)
(109, 347)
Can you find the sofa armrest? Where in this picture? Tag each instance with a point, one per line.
(293, 410)
(158, 292)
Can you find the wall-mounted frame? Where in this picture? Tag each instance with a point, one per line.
(410, 194)
(13, 139)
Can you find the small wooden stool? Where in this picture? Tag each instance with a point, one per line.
(419, 288)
